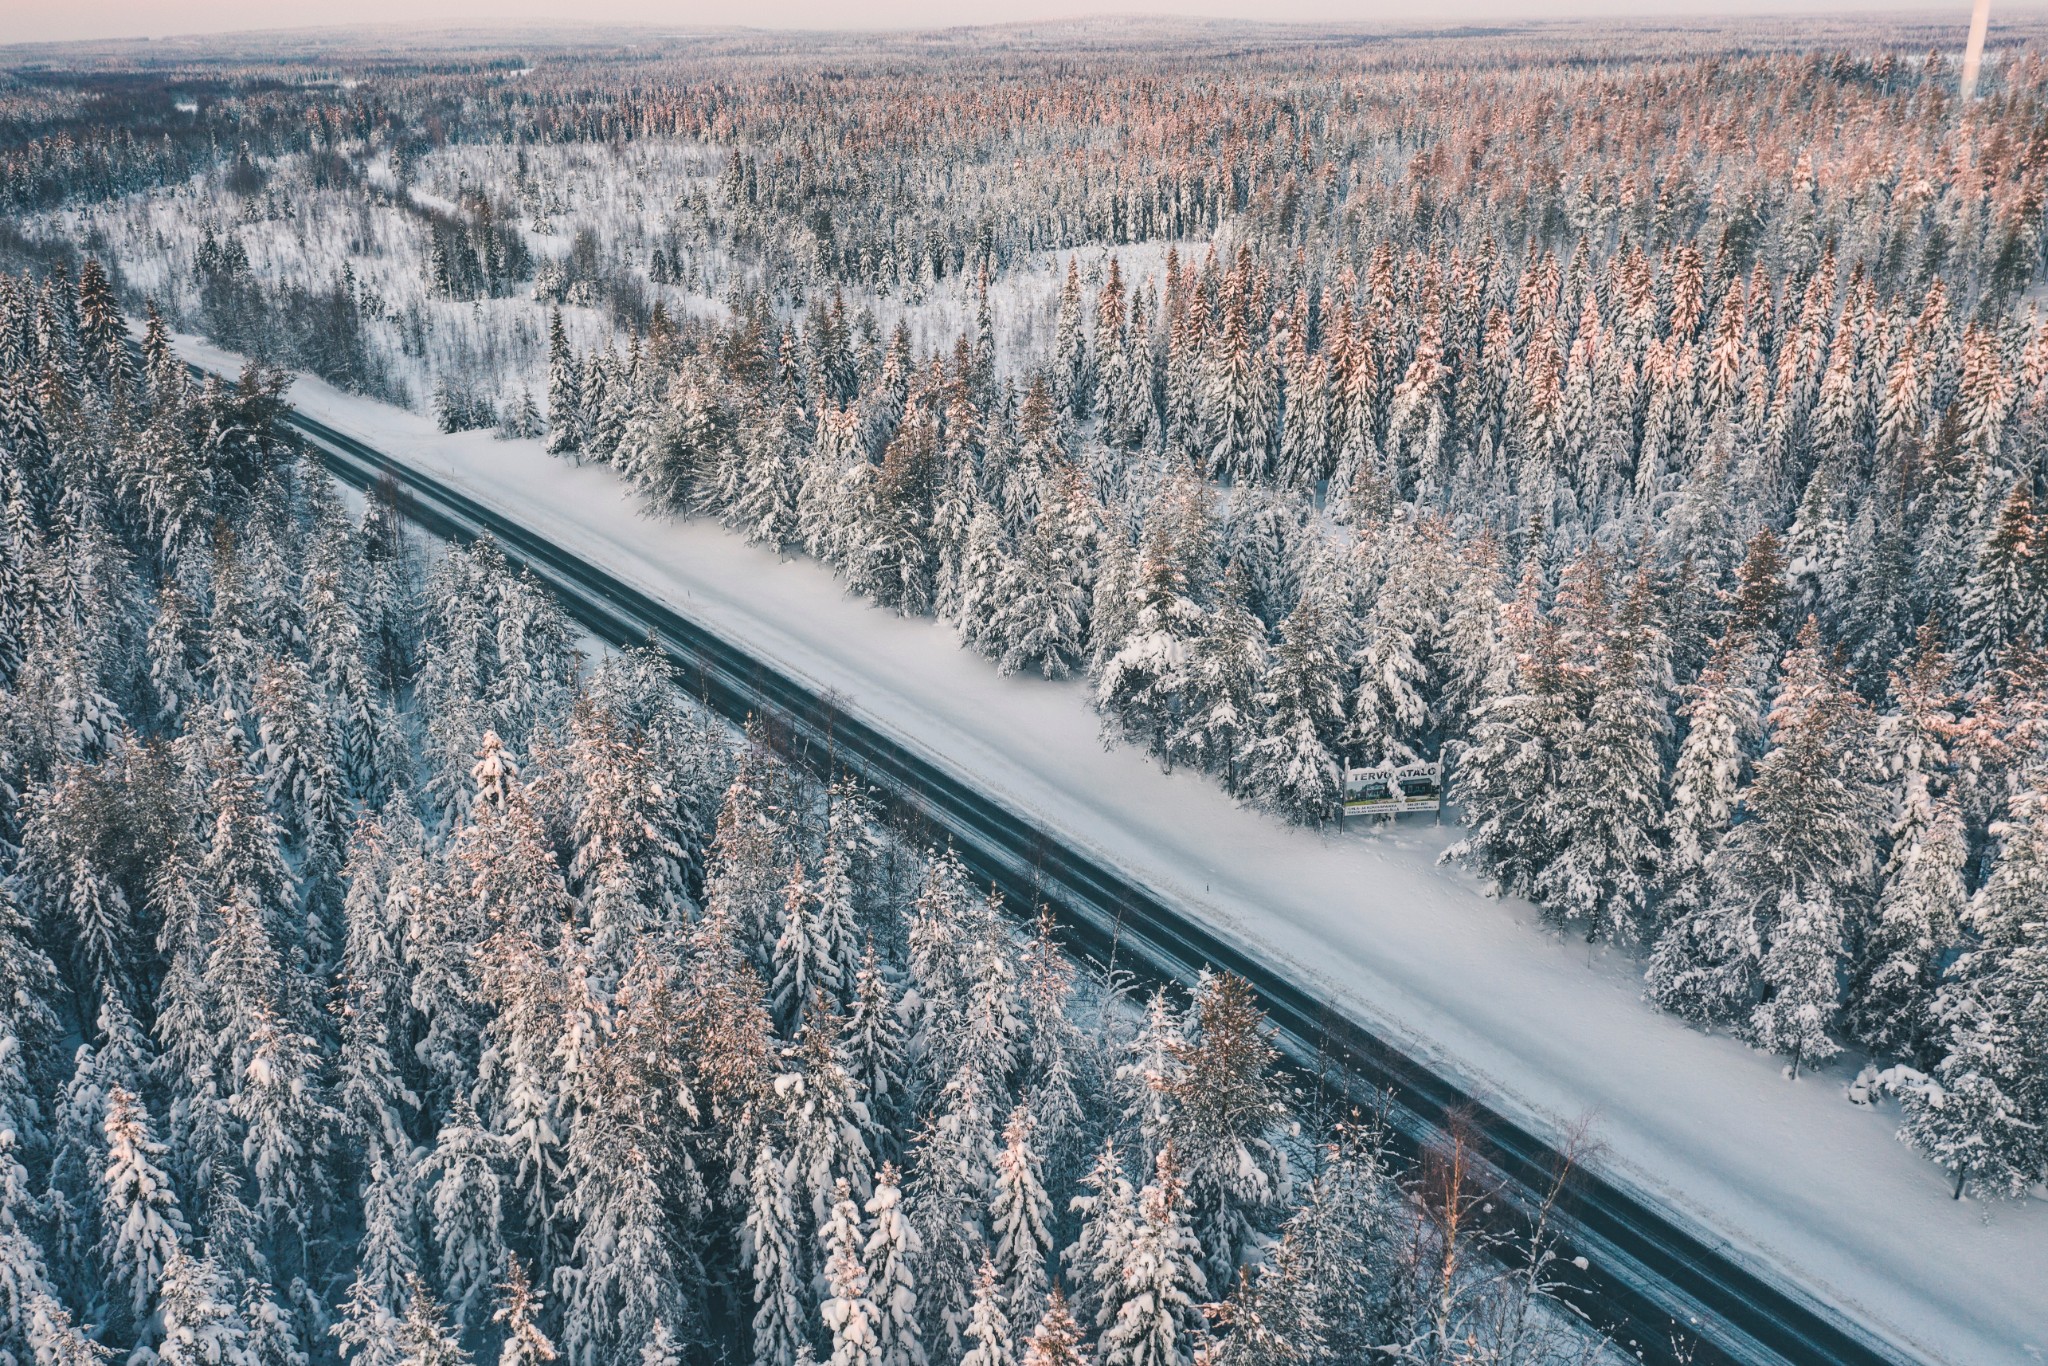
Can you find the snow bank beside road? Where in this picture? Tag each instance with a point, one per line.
(1789, 1173)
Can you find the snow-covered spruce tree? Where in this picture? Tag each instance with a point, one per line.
(1020, 1222)
(632, 1188)
(1223, 1117)
(1058, 1339)
(845, 880)
(1043, 592)
(872, 1049)
(1334, 1288)
(1144, 1078)
(371, 1089)
(1393, 714)
(988, 1326)
(984, 563)
(798, 960)
(1800, 974)
(1917, 923)
(848, 1312)
(628, 861)
(386, 1265)
(892, 1256)
(2007, 592)
(144, 1227)
(772, 1249)
(1073, 368)
(1238, 398)
(200, 1322)
(1141, 687)
(519, 1306)
(287, 1126)
(1720, 712)
(1220, 714)
(1503, 775)
(50, 1336)
(747, 869)
(1154, 1305)
(1292, 768)
(949, 1197)
(424, 1336)
(1984, 1111)
(1092, 1262)
(1053, 1052)
(661, 1347)
(823, 1119)
(1805, 838)
(1608, 805)
(468, 1212)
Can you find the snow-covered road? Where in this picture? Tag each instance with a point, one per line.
(1790, 1174)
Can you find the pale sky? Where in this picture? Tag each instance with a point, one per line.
(45, 20)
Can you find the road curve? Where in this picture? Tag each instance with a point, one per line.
(1665, 1292)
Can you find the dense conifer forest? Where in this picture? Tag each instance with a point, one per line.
(1651, 427)
(388, 981)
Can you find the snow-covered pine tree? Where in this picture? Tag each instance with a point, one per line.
(1053, 1049)
(1237, 401)
(1501, 775)
(1043, 596)
(984, 565)
(1720, 712)
(287, 1124)
(842, 872)
(872, 1048)
(198, 1318)
(1140, 687)
(661, 1347)
(386, 1264)
(1223, 1119)
(823, 1119)
(1073, 369)
(1333, 1288)
(628, 858)
(1058, 1339)
(1799, 972)
(949, 1192)
(747, 869)
(799, 959)
(1093, 1262)
(1393, 715)
(2006, 596)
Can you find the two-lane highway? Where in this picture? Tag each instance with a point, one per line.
(1664, 1291)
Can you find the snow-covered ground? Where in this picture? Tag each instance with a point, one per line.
(1790, 1174)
